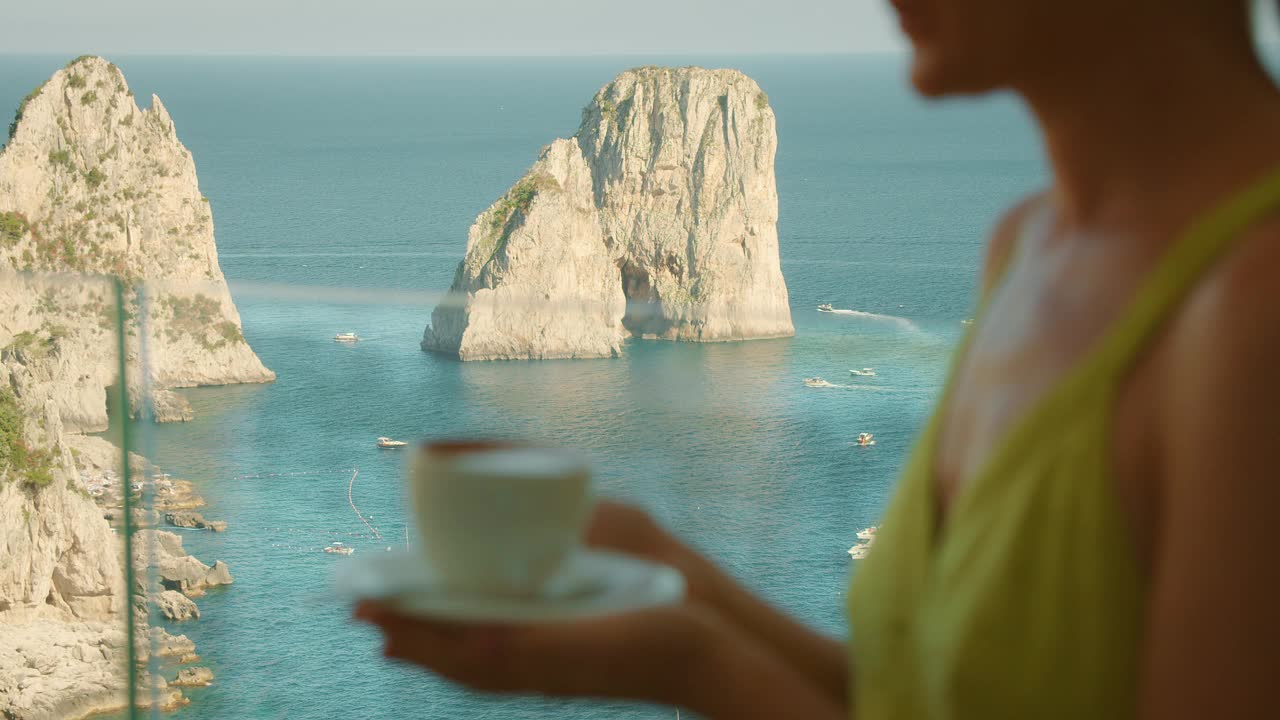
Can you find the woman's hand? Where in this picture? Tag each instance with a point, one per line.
(630, 530)
(675, 655)
(723, 652)
(820, 659)
(648, 654)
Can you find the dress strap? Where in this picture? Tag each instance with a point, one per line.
(1182, 266)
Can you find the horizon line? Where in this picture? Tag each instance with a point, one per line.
(444, 56)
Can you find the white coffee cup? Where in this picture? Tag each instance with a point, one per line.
(498, 518)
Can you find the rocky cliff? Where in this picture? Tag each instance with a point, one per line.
(658, 219)
(90, 184)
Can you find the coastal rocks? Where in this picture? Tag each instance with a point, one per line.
(658, 220)
(164, 644)
(193, 677)
(52, 670)
(176, 606)
(174, 569)
(192, 519)
(168, 406)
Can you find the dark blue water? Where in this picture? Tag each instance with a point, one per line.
(364, 175)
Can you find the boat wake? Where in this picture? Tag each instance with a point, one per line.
(901, 322)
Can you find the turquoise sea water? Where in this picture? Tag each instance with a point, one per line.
(354, 182)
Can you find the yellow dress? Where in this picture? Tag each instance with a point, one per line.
(1027, 602)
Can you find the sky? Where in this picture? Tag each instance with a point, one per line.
(455, 27)
(448, 27)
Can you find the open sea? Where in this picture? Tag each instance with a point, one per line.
(342, 190)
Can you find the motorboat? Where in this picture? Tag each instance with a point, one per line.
(859, 551)
(816, 382)
(386, 442)
(347, 337)
(865, 439)
(825, 307)
(967, 321)
(338, 548)
(864, 372)
(867, 534)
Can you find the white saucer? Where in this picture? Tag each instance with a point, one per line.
(592, 583)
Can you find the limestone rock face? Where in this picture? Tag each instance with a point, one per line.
(58, 558)
(176, 606)
(52, 670)
(90, 183)
(658, 219)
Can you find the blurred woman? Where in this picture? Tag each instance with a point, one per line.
(1060, 545)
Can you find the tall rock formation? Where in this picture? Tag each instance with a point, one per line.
(90, 184)
(658, 219)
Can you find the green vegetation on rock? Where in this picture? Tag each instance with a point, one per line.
(12, 227)
(94, 178)
(62, 158)
(197, 317)
(762, 100)
(75, 80)
(88, 98)
(33, 467)
(17, 117)
(520, 198)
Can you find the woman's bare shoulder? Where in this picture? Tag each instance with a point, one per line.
(1211, 629)
(1225, 349)
(1004, 238)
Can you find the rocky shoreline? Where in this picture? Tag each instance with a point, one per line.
(53, 670)
(93, 186)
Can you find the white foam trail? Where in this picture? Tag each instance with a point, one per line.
(900, 321)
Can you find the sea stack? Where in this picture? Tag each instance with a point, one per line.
(90, 183)
(657, 219)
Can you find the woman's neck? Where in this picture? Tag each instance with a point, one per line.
(1146, 138)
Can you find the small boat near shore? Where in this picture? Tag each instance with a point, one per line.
(868, 534)
(859, 551)
(825, 307)
(864, 372)
(338, 548)
(386, 442)
(347, 337)
(817, 382)
(865, 439)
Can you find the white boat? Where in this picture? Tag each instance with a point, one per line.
(348, 337)
(857, 552)
(865, 439)
(386, 442)
(339, 549)
(816, 382)
(864, 372)
(868, 534)
(967, 321)
(825, 307)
